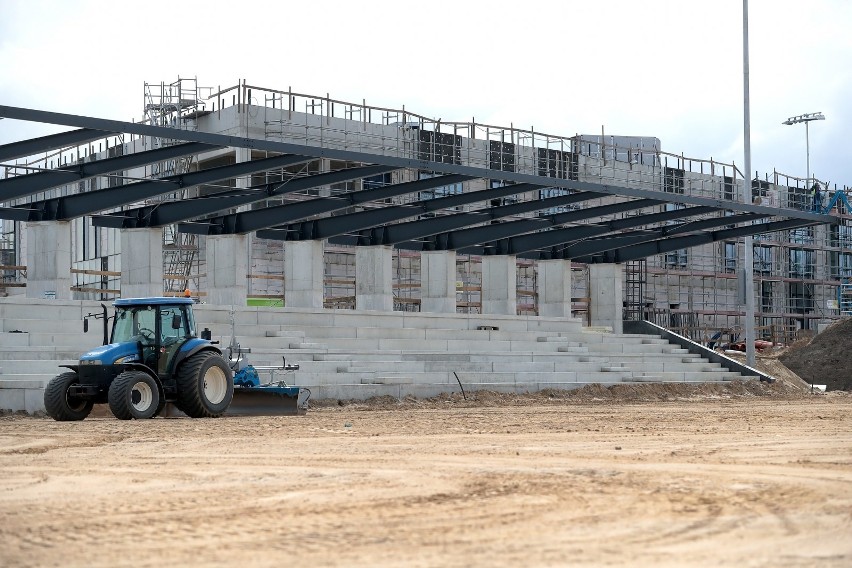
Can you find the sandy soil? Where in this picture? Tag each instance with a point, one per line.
(709, 481)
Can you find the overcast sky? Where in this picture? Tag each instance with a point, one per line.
(670, 69)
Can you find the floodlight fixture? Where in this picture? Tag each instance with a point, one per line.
(804, 118)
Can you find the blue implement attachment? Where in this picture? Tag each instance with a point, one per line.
(253, 397)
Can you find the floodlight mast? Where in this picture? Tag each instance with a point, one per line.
(806, 118)
(748, 253)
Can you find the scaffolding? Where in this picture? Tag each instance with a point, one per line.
(176, 105)
(844, 297)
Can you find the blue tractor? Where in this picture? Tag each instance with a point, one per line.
(153, 356)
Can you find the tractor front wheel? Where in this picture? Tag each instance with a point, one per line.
(205, 386)
(134, 394)
(62, 406)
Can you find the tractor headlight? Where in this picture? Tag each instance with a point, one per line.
(127, 359)
(90, 362)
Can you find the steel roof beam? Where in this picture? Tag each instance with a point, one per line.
(176, 211)
(383, 231)
(597, 246)
(404, 235)
(665, 245)
(553, 242)
(488, 233)
(401, 232)
(400, 162)
(332, 226)
(77, 205)
(34, 146)
(22, 186)
(248, 221)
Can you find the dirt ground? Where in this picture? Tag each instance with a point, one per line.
(743, 477)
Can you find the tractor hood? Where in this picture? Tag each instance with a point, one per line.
(109, 354)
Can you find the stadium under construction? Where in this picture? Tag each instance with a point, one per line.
(255, 196)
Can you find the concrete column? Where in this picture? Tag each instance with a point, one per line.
(141, 263)
(49, 260)
(303, 274)
(227, 268)
(499, 285)
(438, 281)
(553, 286)
(606, 291)
(374, 278)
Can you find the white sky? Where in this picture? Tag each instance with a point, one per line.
(664, 68)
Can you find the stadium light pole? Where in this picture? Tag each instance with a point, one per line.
(748, 253)
(806, 118)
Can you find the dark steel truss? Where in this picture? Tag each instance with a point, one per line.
(632, 227)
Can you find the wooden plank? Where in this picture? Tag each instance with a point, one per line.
(180, 294)
(95, 290)
(95, 272)
(183, 277)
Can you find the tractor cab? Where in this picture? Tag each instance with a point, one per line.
(158, 327)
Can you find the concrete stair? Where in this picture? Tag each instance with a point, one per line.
(352, 354)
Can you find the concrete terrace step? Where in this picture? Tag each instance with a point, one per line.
(629, 348)
(687, 376)
(80, 341)
(466, 378)
(315, 318)
(312, 380)
(47, 325)
(658, 379)
(26, 380)
(452, 366)
(427, 390)
(53, 353)
(18, 366)
(675, 351)
(572, 349)
(356, 354)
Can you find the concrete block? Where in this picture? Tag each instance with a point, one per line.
(13, 399)
(34, 400)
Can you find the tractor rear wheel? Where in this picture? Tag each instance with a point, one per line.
(205, 385)
(134, 394)
(59, 404)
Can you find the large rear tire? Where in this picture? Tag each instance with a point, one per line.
(59, 405)
(205, 386)
(134, 394)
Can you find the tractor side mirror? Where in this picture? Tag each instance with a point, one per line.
(176, 322)
(85, 326)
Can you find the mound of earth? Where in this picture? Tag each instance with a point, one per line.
(768, 363)
(826, 359)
